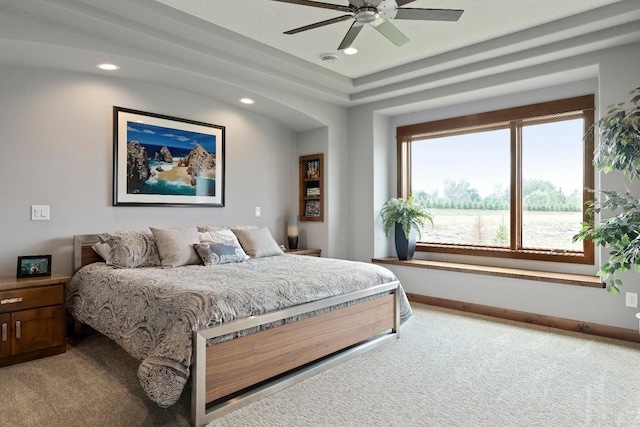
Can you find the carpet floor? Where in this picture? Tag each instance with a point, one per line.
(447, 369)
(455, 369)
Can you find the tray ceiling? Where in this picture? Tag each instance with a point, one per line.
(265, 21)
(228, 49)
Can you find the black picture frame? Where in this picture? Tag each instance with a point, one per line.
(34, 266)
(161, 160)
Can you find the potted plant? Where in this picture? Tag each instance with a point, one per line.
(618, 149)
(407, 218)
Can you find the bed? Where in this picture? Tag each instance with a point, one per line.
(237, 330)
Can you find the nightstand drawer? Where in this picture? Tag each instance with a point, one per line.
(21, 299)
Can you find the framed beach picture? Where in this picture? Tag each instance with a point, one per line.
(34, 266)
(161, 160)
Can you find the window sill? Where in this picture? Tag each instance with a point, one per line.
(513, 273)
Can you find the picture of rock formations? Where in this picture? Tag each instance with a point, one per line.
(170, 162)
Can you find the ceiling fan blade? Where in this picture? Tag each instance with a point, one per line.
(339, 7)
(388, 30)
(401, 3)
(319, 24)
(351, 35)
(429, 14)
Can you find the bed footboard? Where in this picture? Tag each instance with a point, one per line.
(288, 353)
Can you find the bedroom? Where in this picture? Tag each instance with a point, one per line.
(57, 121)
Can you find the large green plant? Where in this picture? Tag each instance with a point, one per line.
(406, 212)
(618, 149)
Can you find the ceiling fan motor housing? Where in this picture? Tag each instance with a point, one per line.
(366, 3)
(387, 9)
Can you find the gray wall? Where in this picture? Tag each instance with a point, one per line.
(610, 74)
(56, 140)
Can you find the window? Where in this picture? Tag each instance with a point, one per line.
(508, 183)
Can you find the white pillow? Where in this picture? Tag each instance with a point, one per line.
(258, 243)
(205, 237)
(104, 250)
(205, 228)
(175, 245)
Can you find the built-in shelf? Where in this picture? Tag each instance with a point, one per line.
(311, 187)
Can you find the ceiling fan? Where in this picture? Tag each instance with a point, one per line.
(376, 13)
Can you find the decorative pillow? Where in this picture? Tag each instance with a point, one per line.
(206, 228)
(258, 243)
(212, 253)
(131, 249)
(104, 251)
(175, 245)
(224, 236)
(205, 237)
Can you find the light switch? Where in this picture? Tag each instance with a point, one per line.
(258, 213)
(39, 212)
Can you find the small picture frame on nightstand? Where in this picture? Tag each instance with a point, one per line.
(34, 266)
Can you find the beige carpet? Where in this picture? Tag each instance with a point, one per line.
(448, 369)
(93, 384)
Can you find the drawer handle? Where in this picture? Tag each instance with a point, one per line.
(18, 331)
(11, 300)
(4, 332)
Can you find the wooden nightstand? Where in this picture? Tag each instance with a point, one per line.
(304, 251)
(32, 317)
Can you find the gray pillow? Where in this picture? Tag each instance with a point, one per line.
(131, 249)
(175, 245)
(258, 243)
(212, 253)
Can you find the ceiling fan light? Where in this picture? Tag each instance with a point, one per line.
(366, 15)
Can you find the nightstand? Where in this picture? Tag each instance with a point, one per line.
(32, 317)
(304, 251)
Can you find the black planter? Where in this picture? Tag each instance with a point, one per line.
(405, 247)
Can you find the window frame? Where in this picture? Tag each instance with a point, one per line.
(563, 109)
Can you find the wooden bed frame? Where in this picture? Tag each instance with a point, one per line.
(232, 374)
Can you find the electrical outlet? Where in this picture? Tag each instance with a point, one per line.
(632, 299)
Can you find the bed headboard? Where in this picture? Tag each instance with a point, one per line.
(83, 253)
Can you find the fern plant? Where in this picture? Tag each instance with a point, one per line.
(618, 149)
(408, 213)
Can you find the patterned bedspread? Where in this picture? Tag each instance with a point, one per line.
(151, 312)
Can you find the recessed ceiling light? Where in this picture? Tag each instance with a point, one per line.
(108, 67)
(350, 51)
(247, 101)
